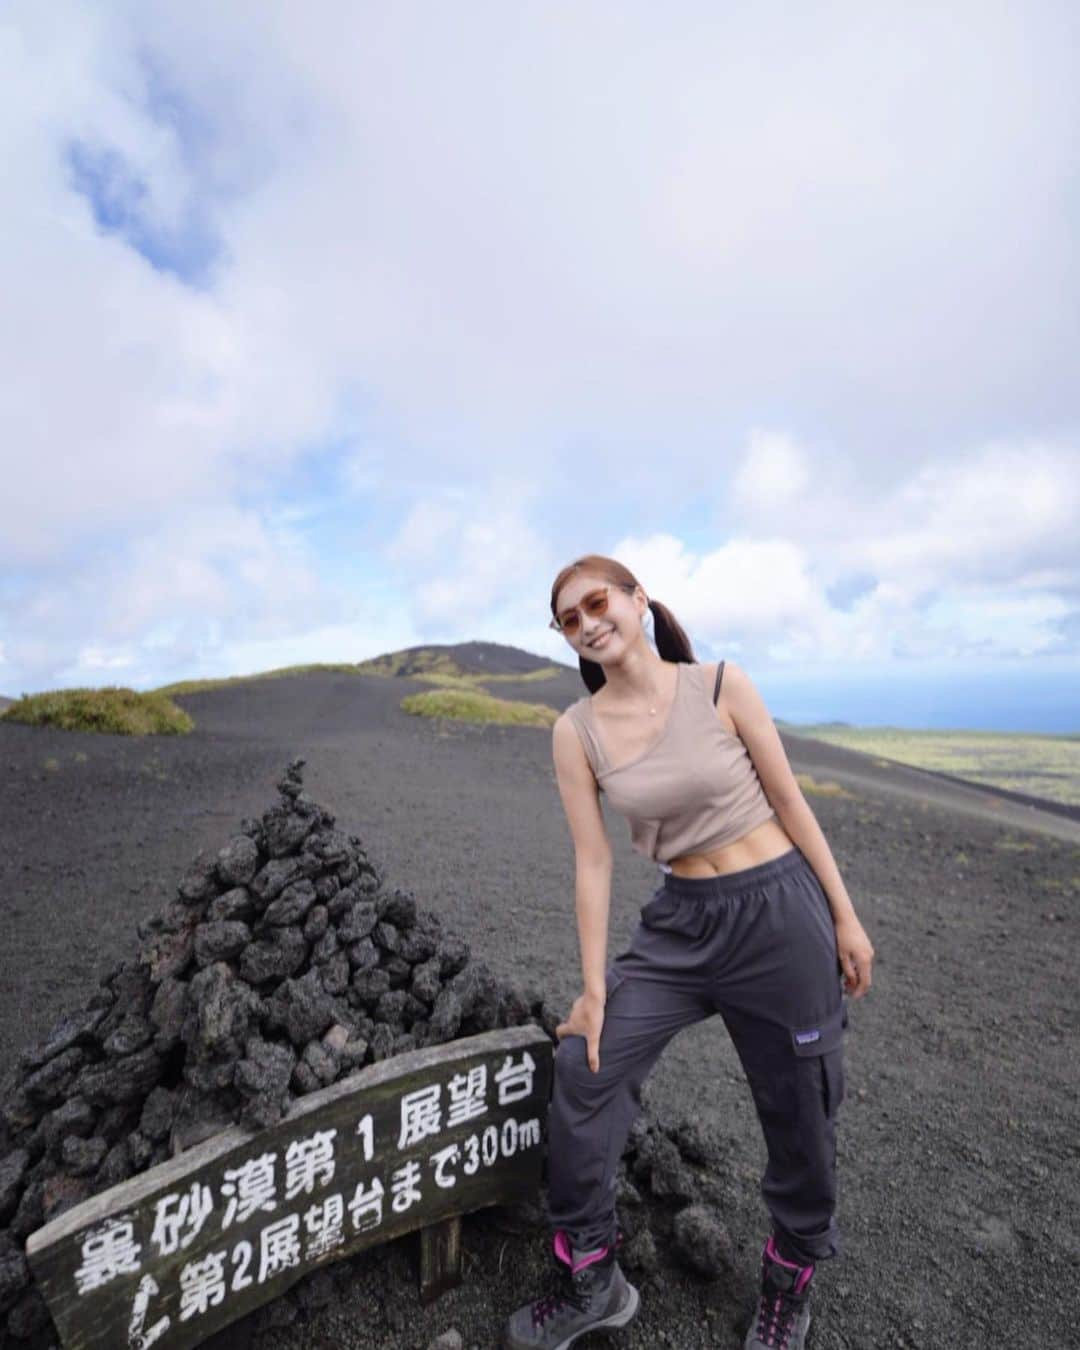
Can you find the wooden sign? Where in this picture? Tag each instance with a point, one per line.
(171, 1256)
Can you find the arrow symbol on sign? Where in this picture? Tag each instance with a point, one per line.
(138, 1339)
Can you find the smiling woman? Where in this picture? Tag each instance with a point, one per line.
(751, 920)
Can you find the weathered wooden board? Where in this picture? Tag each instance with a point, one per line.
(440, 1258)
(171, 1256)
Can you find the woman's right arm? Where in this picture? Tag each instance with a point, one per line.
(592, 853)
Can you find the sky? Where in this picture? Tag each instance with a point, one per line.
(334, 328)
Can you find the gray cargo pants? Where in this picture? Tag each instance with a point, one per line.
(757, 946)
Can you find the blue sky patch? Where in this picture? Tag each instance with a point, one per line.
(122, 205)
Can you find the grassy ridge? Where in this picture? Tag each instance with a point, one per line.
(218, 682)
(473, 702)
(1041, 765)
(436, 667)
(413, 663)
(472, 705)
(116, 710)
(431, 667)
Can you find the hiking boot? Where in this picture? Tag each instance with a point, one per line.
(783, 1314)
(594, 1296)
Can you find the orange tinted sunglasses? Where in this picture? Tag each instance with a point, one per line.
(594, 605)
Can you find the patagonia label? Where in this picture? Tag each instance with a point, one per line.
(807, 1037)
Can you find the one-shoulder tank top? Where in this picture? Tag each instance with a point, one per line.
(694, 789)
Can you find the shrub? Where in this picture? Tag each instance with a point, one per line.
(463, 705)
(124, 712)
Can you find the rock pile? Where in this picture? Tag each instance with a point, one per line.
(672, 1186)
(283, 964)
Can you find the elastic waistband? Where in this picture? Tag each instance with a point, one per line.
(733, 883)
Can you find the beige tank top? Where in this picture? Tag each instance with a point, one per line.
(694, 789)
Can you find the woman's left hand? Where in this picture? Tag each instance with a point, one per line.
(856, 956)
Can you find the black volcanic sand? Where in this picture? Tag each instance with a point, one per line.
(959, 1151)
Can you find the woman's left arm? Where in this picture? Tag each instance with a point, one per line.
(740, 698)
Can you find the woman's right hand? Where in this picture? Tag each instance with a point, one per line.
(586, 1019)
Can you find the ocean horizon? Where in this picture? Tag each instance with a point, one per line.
(1045, 703)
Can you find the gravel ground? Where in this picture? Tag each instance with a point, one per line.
(958, 1145)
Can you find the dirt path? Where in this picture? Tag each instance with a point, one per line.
(958, 1154)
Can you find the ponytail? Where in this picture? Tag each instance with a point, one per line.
(671, 640)
(592, 672)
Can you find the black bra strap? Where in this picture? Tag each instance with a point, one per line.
(719, 677)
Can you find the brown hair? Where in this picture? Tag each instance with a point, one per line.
(671, 641)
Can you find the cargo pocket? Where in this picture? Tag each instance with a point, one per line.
(824, 1041)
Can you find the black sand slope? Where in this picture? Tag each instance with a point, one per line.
(958, 1150)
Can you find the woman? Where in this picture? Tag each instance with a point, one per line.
(751, 920)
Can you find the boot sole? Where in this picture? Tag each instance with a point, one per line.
(612, 1323)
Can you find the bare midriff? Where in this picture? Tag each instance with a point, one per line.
(765, 841)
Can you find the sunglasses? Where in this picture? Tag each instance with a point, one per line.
(594, 605)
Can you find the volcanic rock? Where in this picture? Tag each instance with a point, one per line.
(12, 1170)
(292, 904)
(316, 923)
(268, 883)
(702, 1241)
(74, 1117)
(238, 860)
(276, 957)
(357, 921)
(262, 1076)
(220, 941)
(199, 882)
(69, 1030)
(234, 904)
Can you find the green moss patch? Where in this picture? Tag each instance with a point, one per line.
(219, 682)
(414, 663)
(813, 788)
(470, 705)
(124, 712)
(436, 666)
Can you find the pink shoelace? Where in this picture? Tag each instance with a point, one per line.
(577, 1297)
(779, 1308)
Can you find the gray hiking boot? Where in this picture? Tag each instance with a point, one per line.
(783, 1313)
(594, 1296)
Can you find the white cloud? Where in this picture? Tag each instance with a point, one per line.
(968, 620)
(96, 659)
(427, 534)
(991, 516)
(993, 511)
(195, 584)
(773, 474)
(745, 595)
(613, 309)
(971, 558)
(467, 557)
